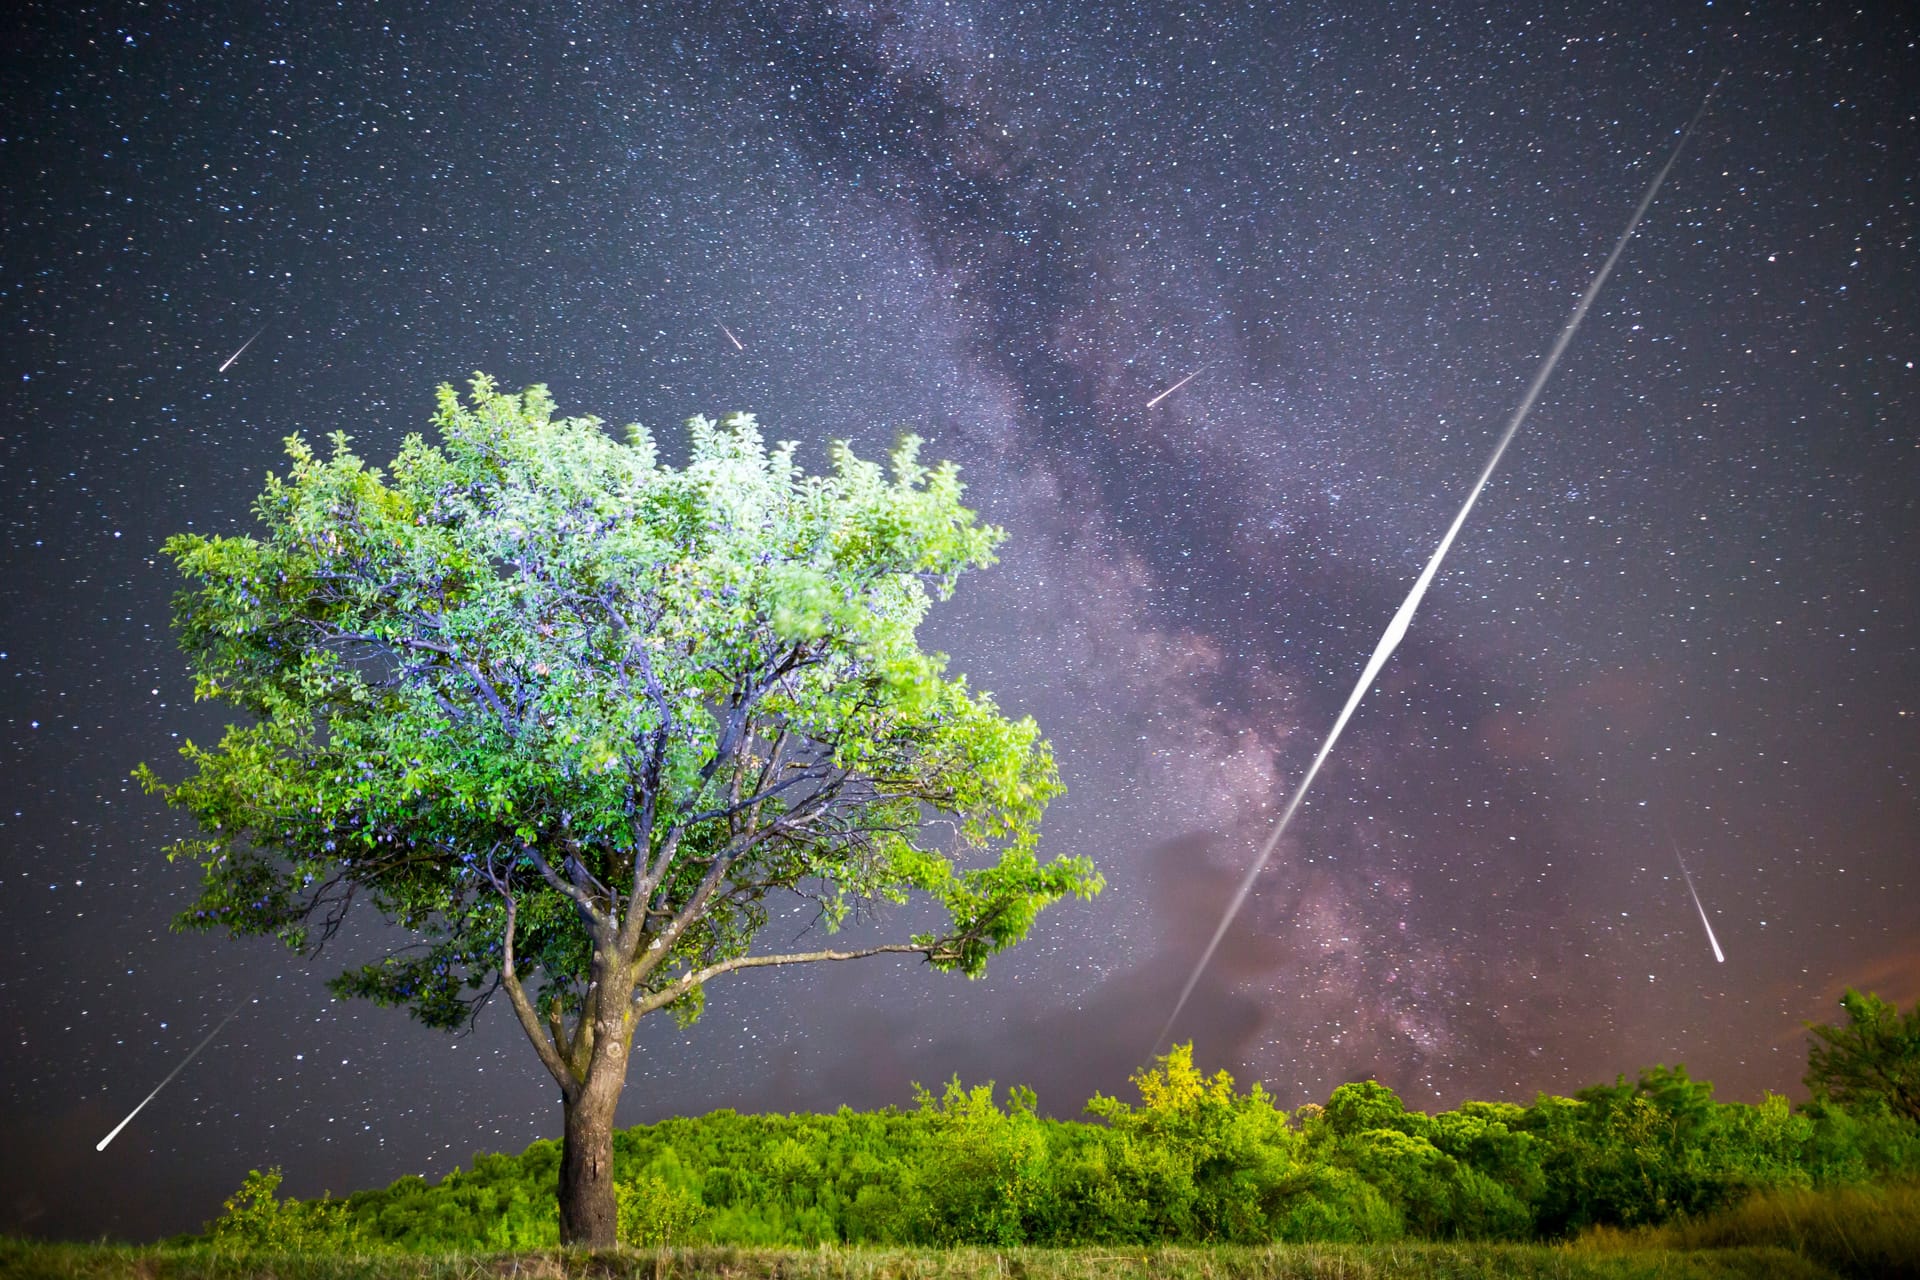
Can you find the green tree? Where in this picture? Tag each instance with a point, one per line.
(1213, 1163)
(1361, 1105)
(1633, 1154)
(981, 1175)
(1875, 1057)
(570, 716)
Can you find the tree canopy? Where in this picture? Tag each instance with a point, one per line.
(1873, 1059)
(570, 715)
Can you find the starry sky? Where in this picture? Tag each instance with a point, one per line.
(1682, 621)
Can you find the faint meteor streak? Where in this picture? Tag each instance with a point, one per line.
(737, 344)
(1397, 629)
(1718, 954)
(243, 346)
(102, 1144)
(1176, 386)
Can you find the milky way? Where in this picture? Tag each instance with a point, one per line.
(1689, 598)
(1403, 616)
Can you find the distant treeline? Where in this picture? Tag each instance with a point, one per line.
(1194, 1160)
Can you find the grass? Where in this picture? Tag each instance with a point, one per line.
(1590, 1260)
(1854, 1233)
(1868, 1232)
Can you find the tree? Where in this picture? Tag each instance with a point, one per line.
(1360, 1105)
(1875, 1057)
(570, 716)
(981, 1175)
(1221, 1163)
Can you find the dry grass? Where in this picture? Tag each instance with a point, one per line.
(1866, 1232)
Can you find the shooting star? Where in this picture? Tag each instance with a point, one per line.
(1718, 954)
(102, 1144)
(1397, 629)
(1176, 386)
(737, 344)
(243, 346)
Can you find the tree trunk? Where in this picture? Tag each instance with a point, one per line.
(589, 1217)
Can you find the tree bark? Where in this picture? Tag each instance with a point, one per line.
(589, 1216)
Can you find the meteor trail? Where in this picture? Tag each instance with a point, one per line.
(1718, 954)
(1397, 629)
(243, 346)
(730, 338)
(1175, 387)
(102, 1144)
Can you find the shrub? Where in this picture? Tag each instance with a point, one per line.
(1336, 1205)
(652, 1213)
(982, 1173)
(1368, 1104)
(255, 1219)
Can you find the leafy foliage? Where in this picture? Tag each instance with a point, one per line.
(654, 1213)
(1874, 1060)
(570, 716)
(535, 685)
(1211, 1163)
(1195, 1159)
(254, 1218)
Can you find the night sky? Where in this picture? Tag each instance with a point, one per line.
(1683, 617)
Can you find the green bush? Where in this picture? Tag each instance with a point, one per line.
(983, 1173)
(254, 1219)
(1195, 1159)
(1368, 1104)
(1214, 1164)
(1414, 1176)
(654, 1213)
(1337, 1206)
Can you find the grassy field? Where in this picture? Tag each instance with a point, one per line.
(1865, 1233)
(1852, 1231)
(1614, 1259)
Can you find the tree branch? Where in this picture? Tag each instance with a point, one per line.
(751, 691)
(487, 692)
(523, 1007)
(751, 802)
(767, 771)
(645, 876)
(579, 896)
(658, 949)
(680, 986)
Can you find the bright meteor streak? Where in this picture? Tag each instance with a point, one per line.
(1397, 629)
(102, 1144)
(228, 362)
(1175, 387)
(737, 344)
(1718, 954)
